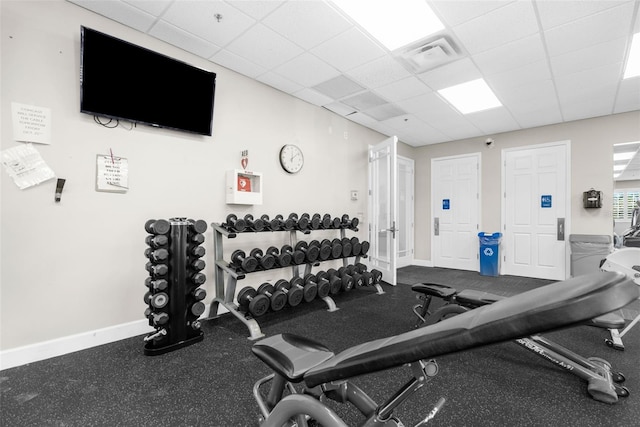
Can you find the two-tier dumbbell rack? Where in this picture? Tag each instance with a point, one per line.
(225, 294)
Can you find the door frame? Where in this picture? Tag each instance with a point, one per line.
(410, 206)
(478, 156)
(567, 225)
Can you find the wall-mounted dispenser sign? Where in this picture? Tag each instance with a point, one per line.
(592, 199)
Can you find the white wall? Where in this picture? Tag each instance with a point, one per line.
(591, 167)
(78, 265)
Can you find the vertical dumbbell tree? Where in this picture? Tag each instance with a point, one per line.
(174, 295)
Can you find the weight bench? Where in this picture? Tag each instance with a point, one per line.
(305, 370)
(603, 382)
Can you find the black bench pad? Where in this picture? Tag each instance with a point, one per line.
(546, 308)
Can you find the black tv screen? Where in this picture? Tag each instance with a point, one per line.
(120, 80)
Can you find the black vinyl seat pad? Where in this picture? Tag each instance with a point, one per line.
(540, 310)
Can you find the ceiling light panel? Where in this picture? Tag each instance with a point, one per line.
(471, 96)
(394, 24)
(633, 61)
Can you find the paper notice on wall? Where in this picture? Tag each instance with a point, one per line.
(112, 173)
(25, 165)
(31, 123)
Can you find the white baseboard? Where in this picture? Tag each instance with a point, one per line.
(60, 346)
(422, 263)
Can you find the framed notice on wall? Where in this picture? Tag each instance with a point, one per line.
(112, 174)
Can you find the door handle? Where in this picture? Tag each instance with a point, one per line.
(393, 230)
(560, 231)
(436, 226)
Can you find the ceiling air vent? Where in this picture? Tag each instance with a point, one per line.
(430, 55)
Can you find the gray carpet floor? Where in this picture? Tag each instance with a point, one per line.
(210, 383)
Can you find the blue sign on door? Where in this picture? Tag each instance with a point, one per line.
(445, 204)
(545, 201)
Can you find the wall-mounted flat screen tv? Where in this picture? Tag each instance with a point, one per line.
(120, 80)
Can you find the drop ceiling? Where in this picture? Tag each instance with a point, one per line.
(547, 61)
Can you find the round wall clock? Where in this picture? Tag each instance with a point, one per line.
(291, 158)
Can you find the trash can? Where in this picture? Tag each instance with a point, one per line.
(489, 253)
(588, 251)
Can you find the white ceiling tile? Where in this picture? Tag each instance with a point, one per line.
(379, 72)
(504, 25)
(277, 81)
(264, 46)
(511, 55)
(256, 9)
(451, 74)
(530, 97)
(507, 80)
(119, 12)
(403, 89)
(362, 119)
(591, 57)
(457, 12)
(586, 32)
(307, 23)
(348, 50)
(340, 108)
(492, 121)
(186, 41)
(541, 117)
(338, 87)
(589, 85)
(385, 111)
(628, 98)
(198, 17)
(237, 63)
(364, 101)
(155, 7)
(585, 110)
(554, 13)
(313, 97)
(306, 70)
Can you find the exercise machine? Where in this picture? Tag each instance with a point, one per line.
(306, 372)
(627, 261)
(603, 383)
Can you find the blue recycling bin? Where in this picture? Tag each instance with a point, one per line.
(489, 253)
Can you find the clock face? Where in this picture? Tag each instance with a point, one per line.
(291, 158)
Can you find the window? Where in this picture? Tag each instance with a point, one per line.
(624, 201)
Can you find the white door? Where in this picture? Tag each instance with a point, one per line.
(536, 211)
(382, 208)
(405, 211)
(455, 195)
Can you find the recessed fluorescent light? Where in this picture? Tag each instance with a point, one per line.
(619, 167)
(633, 61)
(393, 23)
(623, 156)
(471, 96)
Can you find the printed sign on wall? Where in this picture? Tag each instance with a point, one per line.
(545, 201)
(446, 204)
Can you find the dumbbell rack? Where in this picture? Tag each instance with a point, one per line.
(225, 294)
(180, 302)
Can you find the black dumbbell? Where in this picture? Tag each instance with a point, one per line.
(289, 223)
(346, 247)
(336, 222)
(250, 301)
(345, 222)
(356, 246)
(246, 263)
(310, 287)
(358, 279)
(235, 223)
(254, 224)
(197, 226)
(297, 257)
(278, 298)
(197, 264)
(377, 276)
(346, 281)
(197, 308)
(157, 269)
(336, 248)
(294, 294)
(309, 290)
(156, 254)
(326, 221)
(197, 278)
(365, 247)
(197, 251)
(366, 275)
(156, 241)
(158, 300)
(335, 282)
(271, 224)
(325, 250)
(311, 252)
(156, 319)
(314, 223)
(157, 284)
(266, 261)
(199, 294)
(159, 226)
(282, 259)
(324, 287)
